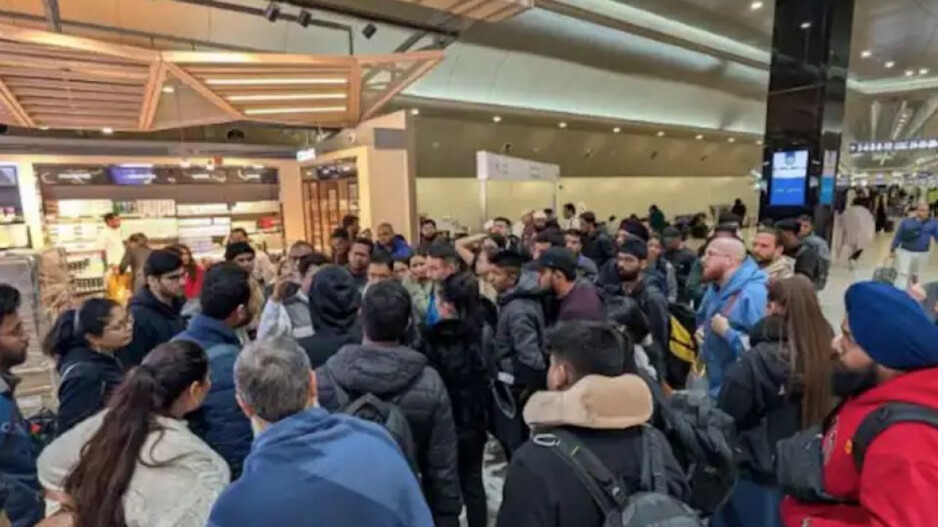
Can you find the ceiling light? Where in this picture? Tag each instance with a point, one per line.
(909, 73)
(185, 163)
(276, 80)
(661, 133)
(272, 13)
(616, 130)
(497, 119)
(755, 6)
(107, 130)
(369, 31)
(759, 142)
(304, 18)
(699, 137)
(866, 53)
(43, 128)
(923, 71)
(732, 139)
(806, 25)
(287, 97)
(889, 65)
(168, 89)
(268, 111)
(562, 124)
(415, 111)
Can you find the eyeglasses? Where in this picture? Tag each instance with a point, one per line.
(121, 325)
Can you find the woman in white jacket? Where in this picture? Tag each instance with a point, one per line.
(136, 463)
(857, 230)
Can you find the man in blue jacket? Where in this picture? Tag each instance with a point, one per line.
(734, 302)
(911, 244)
(308, 467)
(24, 506)
(225, 298)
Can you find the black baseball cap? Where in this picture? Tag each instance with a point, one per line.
(670, 233)
(561, 259)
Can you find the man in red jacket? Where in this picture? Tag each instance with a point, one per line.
(888, 353)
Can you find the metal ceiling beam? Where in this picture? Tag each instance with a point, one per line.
(52, 15)
(372, 16)
(924, 114)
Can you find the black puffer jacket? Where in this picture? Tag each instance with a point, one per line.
(154, 323)
(87, 380)
(400, 372)
(334, 300)
(759, 394)
(459, 354)
(519, 335)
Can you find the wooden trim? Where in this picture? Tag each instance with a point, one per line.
(355, 94)
(72, 86)
(374, 60)
(263, 59)
(53, 75)
(151, 95)
(34, 104)
(72, 94)
(9, 100)
(200, 88)
(35, 36)
(417, 70)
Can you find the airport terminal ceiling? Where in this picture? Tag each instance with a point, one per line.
(674, 66)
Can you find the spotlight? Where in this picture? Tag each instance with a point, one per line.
(272, 13)
(304, 18)
(107, 130)
(369, 30)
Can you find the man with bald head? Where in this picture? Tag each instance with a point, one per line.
(735, 300)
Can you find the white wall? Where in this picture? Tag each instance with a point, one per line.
(620, 196)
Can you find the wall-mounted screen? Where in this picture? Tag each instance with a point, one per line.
(789, 174)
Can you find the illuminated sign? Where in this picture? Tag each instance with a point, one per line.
(893, 146)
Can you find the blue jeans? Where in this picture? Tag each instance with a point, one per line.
(750, 505)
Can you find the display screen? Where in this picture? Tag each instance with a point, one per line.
(789, 174)
(132, 175)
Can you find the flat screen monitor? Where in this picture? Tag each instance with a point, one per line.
(789, 175)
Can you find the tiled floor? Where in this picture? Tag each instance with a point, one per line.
(832, 302)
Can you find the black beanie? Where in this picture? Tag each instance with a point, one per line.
(162, 262)
(233, 250)
(636, 247)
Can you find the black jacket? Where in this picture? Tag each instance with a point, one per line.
(459, 354)
(87, 380)
(389, 372)
(655, 306)
(759, 394)
(154, 324)
(334, 299)
(807, 262)
(598, 247)
(683, 260)
(519, 334)
(541, 490)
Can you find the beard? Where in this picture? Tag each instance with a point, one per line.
(848, 383)
(628, 276)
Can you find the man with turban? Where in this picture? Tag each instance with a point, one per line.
(887, 354)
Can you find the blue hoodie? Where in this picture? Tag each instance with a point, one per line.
(748, 287)
(317, 469)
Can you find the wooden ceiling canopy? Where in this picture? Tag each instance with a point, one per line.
(488, 10)
(51, 80)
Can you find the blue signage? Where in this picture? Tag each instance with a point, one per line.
(789, 175)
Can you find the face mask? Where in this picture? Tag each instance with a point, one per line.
(847, 383)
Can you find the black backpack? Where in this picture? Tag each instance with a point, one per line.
(801, 458)
(388, 414)
(651, 507)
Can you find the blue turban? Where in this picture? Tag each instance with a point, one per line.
(891, 327)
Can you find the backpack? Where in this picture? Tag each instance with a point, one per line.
(388, 414)
(651, 507)
(701, 437)
(682, 345)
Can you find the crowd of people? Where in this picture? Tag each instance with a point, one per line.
(623, 374)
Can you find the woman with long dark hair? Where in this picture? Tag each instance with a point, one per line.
(83, 342)
(195, 274)
(456, 348)
(777, 388)
(137, 463)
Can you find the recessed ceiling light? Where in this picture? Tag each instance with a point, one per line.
(806, 25)
(909, 73)
(616, 130)
(759, 142)
(43, 128)
(497, 119)
(298, 109)
(866, 53)
(415, 111)
(923, 71)
(275, 80)
(889, 65)
(732, 139)
(699, 137)
(756, 5)
(107, 130)
(168, 89)
(562, 124)
(288, 97)
(661, 133)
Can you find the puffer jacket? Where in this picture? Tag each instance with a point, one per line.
(87, 379)
(154, 323)
(519, 335)
(760, 395)
(334, 299)
(220, 421)
(397, 372)
(23, 503)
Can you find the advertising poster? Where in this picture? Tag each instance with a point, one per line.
(789, 174)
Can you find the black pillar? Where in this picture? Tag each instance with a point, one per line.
(805, 110)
